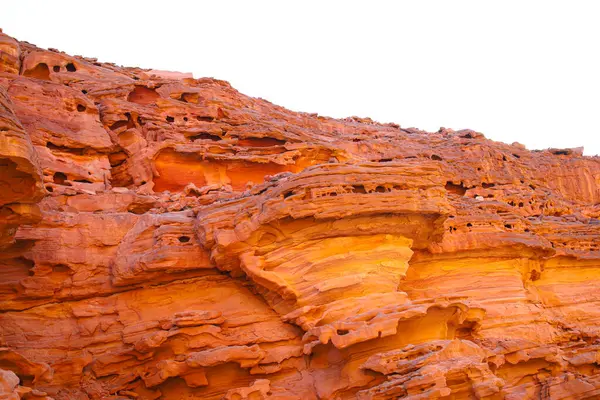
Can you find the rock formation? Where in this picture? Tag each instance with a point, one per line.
(165, 237)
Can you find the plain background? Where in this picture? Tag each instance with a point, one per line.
(526, 71)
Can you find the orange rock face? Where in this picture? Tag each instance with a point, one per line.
(164, 237)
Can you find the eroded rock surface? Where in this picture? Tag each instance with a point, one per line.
(165, 237)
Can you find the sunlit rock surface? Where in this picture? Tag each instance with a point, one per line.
(164, 237)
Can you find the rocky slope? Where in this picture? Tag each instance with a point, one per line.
(164, 237)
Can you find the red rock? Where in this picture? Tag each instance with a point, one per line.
(168, 237)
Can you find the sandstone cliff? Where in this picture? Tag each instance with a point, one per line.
(164, 237)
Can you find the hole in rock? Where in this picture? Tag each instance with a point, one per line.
(508, 226)
(205, 136)
(342, 332)
(436, 157)
(142, 95)
(561, 152)
(61, 268)
(185, 118)
(288, 194)
(205, 119)
(516, 156)
(59, 178)
(469, 225)
(119, 124)
(380, 189)
(81, 108)
(56, 68)
(386, 160)
(504, 158)
(521, 204)
(40, 71)
(260, 142)
(71, 67)
(50, 189)
(359, 189)
(535, 275)
(65, 149)
(82, 181)
(84, 91)
(139, 209)
(184, 239)
(487, 185)
(456, 189)
(189, 98)
(170, 119)
(176, 170)
(14, 270)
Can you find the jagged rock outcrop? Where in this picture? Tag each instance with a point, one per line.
(165, 237)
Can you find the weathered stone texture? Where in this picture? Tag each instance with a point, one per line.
(165, 237)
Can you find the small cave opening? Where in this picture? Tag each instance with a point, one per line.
(260, 142)
(84, 91)
(184, 239)
(436, 157)
(61, 268)
(359, 189)
(49, 188)
(121, 123)
(81, 108)
(71, 67)
(205, 118)
(187, 97)
(535, 275)
(508, 226)
(40, 71)
(205, 136)
(170, 119)
(143, 95)
(59, 178)
(459, 189)
(56, 68)
(342, 332)
(65, 149)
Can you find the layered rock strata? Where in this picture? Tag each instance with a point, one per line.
(165, 237)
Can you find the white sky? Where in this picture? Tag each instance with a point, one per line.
(526, 71)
